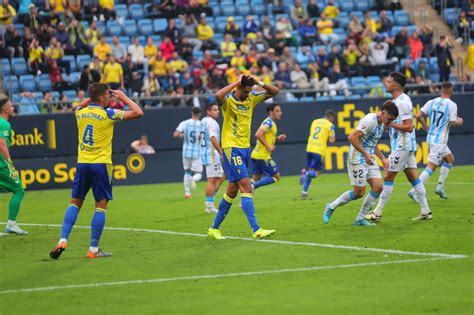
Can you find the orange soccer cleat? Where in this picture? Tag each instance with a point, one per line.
(58, 250)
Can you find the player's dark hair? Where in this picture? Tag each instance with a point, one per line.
(391, 108)
(399, 78)
(210, 106)
(196, 110)
(3, 100)
(330, 113)
(247, 81)
(446, 85)
(271, 107)
(97, 90)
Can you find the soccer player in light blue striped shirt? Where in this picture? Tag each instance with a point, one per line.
(190, 131)
(211, 155)
(443, 114)
(361, 165)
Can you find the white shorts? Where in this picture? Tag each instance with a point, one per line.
(438, 152)
(360, 173)
(194, 165)
(214, 170)
(399, 160)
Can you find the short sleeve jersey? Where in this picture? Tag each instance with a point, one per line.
(441, 112)
(260, 152)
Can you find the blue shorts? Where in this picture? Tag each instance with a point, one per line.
(315, 161)
(98, 176)
(267, 168)
(236, 163)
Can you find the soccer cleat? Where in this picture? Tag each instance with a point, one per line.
(304, 195)
(14, 229)
(371, 216)
(261, 233)
(210, 209)
(440, 192)
(98, 254)
(188, 197)
(58, 250)
(421, 217)
(412, 196)
(302, 175)
(214, 234)
(327, 213)
(363, 222)
(193, 184)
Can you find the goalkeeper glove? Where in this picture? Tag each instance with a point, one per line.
(11, 168)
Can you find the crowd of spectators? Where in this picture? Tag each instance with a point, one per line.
(299, 50)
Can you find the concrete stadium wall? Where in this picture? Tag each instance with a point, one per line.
(45, 146)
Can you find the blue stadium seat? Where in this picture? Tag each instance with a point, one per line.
(108, 40)
(373, 80)
(15, 98)
(346, 6)
(72, 61)
(83, 60)
(85, 24)
(433, 61)
(411, 29)
(101, 26)
(159, 25)
(114, 28)
(27, 83)
(307, 99)
(362, 5)
(354, 97)
(323, 98)
(396, 30)
(453, 77)
(130, 28)
(358, 82)
(30, 109)
(425, 60)
(258, 8)
(20, 28)
(198, 54)
(39, 96)
(75, 76)
(71, 94)
(343, 20)
(19, 66)
(338, 98)
(44, 83)
(55, 95)
(6, 67)
(401, 17)
(239, 20)
(258, 2)
(218, 38)
(221, 21)
(434, 77)
(450, 15)
(243, 10)
(227, 9)
(156, 39)
(11, 84)
(145, 27)
(359, 14)
(124, 40)
(136, 11)
(142, 40)
(341, 33)
(121, 10)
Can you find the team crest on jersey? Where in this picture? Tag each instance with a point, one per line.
(5, 133)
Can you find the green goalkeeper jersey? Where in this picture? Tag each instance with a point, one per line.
(5, 133)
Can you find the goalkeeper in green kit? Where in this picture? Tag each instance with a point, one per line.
(9, 177)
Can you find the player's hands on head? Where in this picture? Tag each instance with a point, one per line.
(239, 80)
(119, 94)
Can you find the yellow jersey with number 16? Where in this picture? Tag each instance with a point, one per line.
(238, 119)
(95, 126)
(321, 130)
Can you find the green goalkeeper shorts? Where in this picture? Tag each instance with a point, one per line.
(7, 184)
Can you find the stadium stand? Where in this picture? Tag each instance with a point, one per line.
(382, 39)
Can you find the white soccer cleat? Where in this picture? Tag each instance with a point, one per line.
(423, 217)
(372, 217)
(210, 209)
(14, 229)
(412, 196)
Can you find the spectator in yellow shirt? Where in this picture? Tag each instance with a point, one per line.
(238, 60)
(93, 34)
(36, 57)
(7, 13)
(205, 33)
(106, 8)
(228, 47)
(150, 48)
(176, 63)
(326, 30)
(469, 59)
(113, 73)
(102, 49)
(58, 5)
(370, 22)
(331, 10)
(56, 52)
(158, 65)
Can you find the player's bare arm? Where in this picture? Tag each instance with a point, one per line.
(84, 103)
(270, 90)
(405, 126)
(459, 122)
(281, 137)
(6, 154)
(260, 135)
(382, 157)
(135, 110)
(216, 145)
(178, 134)
(421, 118)
(220, 95)
(354, 139)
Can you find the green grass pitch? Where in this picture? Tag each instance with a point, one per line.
(153, 272)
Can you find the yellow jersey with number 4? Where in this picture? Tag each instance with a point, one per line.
(238, 119)
(260, 152)
(95, 126)
(321, 130)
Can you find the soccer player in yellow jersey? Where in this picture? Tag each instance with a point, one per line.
(95, 124)
(265, 171)
(321, 132)
(237, 110)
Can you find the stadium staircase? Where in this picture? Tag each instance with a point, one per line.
(421, 12)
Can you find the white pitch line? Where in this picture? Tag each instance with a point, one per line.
(354, 248)
(217, 276)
